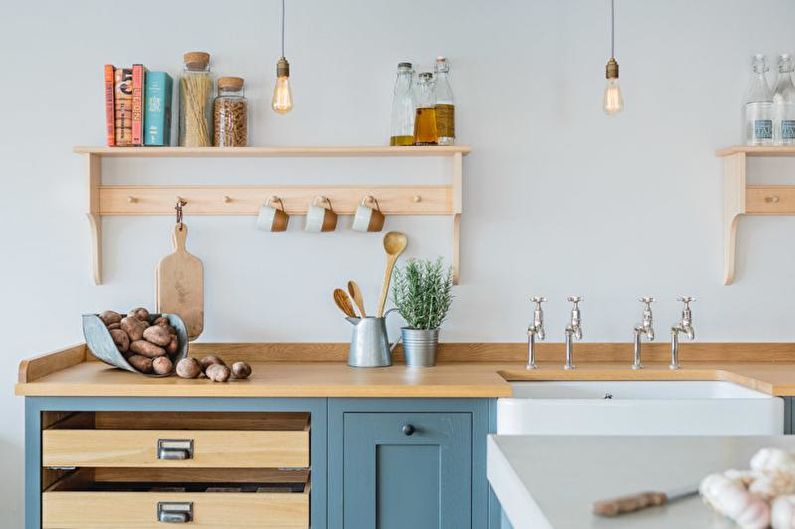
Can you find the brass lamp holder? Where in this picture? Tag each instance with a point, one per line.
(611, 69)
(282, 68)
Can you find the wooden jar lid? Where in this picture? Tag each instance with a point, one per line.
(196, 59)
(230, 83)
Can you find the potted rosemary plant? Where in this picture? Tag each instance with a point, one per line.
(422, 292)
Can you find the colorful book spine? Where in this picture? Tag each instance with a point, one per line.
(123, 104)
(138, 80)
(110, 125)
(157, 109)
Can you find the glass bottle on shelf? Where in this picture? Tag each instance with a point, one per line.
(445, 108)
(425, 132)
(759, 106)
(402, 126)
(784, 103)
(230, 114)
(195, 101)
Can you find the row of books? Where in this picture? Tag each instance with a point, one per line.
(137, 106)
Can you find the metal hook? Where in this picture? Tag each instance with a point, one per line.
(180, 203)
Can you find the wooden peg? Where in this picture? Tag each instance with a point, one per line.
(131, 199)
(416, 199)
(227, 199)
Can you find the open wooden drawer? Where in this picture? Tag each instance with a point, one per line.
(178, 440)
(123, 498)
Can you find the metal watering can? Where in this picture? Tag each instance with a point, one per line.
(370, 343)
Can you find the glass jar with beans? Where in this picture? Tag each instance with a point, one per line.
(230, 114)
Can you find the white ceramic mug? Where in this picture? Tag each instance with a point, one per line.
(319, 217)
(368, 218)
(271, 218)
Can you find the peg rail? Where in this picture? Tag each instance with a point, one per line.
(409, 199)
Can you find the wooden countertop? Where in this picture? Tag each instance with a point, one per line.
(71, 372)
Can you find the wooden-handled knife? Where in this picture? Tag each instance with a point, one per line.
(640, 501)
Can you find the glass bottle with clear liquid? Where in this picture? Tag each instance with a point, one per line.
(425, 132)
(759, 106)
(445, 107)
(784, 103)
(403, 108)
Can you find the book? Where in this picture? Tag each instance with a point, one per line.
(157, 109)
(110, 125)
(138, 75)
(122, 101)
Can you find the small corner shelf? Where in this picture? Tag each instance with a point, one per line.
(246, 200)
(740, 199)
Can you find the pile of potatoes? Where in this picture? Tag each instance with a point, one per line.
(213, 368)
(148, 347)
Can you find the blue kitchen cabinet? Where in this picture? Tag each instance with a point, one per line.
(397, 463)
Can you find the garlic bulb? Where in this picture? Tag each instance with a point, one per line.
(773, 459)
(783, 513)
(730, 498)
(770, 484)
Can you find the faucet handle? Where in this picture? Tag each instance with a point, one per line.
(648, 300)
(686, 300)
(575, 300)
(538, 300)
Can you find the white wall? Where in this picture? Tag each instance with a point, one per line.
(559, 198)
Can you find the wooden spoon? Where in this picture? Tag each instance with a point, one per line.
(344, 302)
(394, 244)
(356, 294)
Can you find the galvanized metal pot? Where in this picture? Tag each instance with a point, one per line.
(419, 346)
(369, 343)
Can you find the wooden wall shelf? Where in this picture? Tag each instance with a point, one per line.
(740, 199)
(246, 200)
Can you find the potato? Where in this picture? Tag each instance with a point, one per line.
(133, 327)
(121, 340)
(141, 363)
(241, 370)
(157, 335)
(114, 326)
(189, 368)
(209, 360)
(217, 373)
(173, 346)
(162, 321)
(110, 317)
(144, 348)
(140, 313)
(162, 365)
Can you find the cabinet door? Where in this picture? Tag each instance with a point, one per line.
(407, 470)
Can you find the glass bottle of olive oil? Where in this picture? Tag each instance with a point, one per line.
(425, 132)
(403, 109)
(445, 108)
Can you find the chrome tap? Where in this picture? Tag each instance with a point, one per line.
(573, 330)
(685, 326)
(643, 328)
(536, 329)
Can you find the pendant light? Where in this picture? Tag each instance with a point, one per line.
(612, 102)
(282, 97)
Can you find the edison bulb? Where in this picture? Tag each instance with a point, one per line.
(612, 102)
(282, 98)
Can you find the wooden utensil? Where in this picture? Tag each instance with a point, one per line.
(394, 244)
(356, 294)
(639, 501)
(180, 284)
(344, 302)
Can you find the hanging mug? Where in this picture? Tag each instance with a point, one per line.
(271, 218)
(319, 217)
(367, 217)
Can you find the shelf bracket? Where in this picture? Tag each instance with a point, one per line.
(94, 217)
(457, 183)
(734, 169)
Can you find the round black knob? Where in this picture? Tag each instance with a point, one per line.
(408, 429)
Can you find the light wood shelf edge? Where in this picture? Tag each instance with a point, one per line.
(263, 152)
(32, 369)
(757, 150)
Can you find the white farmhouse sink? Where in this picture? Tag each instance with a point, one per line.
(638, 408)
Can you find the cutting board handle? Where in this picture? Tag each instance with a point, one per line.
(180, 236)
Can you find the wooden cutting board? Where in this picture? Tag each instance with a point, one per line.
(180, 284)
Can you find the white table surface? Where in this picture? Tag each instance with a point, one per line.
(550, 482)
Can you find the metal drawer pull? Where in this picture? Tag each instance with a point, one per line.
(409, 429)
(175, 448)
(170, 512)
